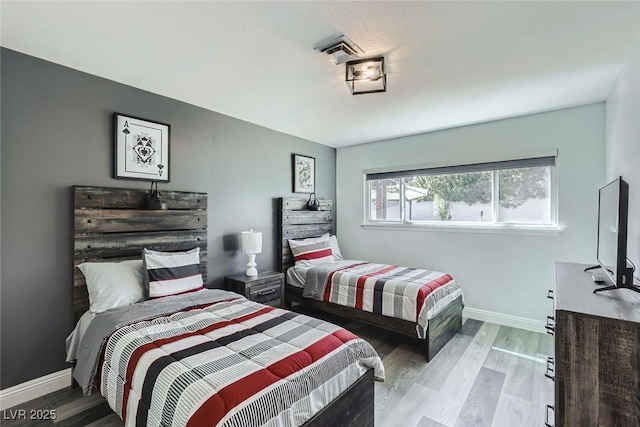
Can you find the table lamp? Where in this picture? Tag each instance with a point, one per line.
(251, 244)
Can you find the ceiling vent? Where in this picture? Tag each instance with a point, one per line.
(340, 50)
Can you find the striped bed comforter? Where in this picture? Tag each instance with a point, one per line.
(411, 294)
(232, 362)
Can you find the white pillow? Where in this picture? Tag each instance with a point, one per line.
(333, 244)
(113, 284)
(172, 273)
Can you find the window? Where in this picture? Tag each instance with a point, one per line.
(514, 191)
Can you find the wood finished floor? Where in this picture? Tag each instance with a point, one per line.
(487, 375)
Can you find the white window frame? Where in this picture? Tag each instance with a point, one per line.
(553, 228)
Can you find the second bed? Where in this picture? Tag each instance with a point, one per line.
(424, 305)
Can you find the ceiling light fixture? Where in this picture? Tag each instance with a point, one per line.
(366, 76)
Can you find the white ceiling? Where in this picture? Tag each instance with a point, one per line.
(449, 63)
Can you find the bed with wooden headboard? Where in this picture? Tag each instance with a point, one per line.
(113, 224)
(295, 221)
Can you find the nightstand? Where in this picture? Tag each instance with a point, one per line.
(266, 288)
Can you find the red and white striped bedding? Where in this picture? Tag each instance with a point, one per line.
(230, 363)
(411, 294)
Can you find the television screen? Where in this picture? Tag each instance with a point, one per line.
(608, 226)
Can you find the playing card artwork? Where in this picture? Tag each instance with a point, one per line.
(303, 174)
(142, 149)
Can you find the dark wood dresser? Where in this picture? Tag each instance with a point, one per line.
(597, 352)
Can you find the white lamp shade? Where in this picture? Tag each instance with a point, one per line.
(251, 242)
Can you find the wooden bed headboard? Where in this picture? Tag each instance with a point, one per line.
(296, 221)
(112, 224)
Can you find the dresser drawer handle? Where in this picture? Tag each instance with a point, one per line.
(267, 292)
(550, 327)
(546, 415)
(551, 369)
(550, 294)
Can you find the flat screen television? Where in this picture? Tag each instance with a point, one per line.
(613, 218)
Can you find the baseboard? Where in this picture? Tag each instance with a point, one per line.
(504, 319)
(21, 393)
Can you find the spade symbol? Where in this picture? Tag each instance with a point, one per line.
(126, 128)
(160, 167)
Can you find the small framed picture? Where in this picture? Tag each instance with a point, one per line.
(304, 174)
(141, 149)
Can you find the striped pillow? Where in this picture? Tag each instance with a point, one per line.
(171, 273)
(308, 254)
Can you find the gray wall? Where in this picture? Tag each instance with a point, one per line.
(57, 132)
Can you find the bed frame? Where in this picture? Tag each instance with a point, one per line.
(297, 222)
(113, 224)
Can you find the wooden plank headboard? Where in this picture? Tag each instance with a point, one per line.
(112, 224)
(296, 221)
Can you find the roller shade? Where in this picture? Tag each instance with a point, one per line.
(474, 167)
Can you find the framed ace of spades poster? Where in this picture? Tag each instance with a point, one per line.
(141, 149)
